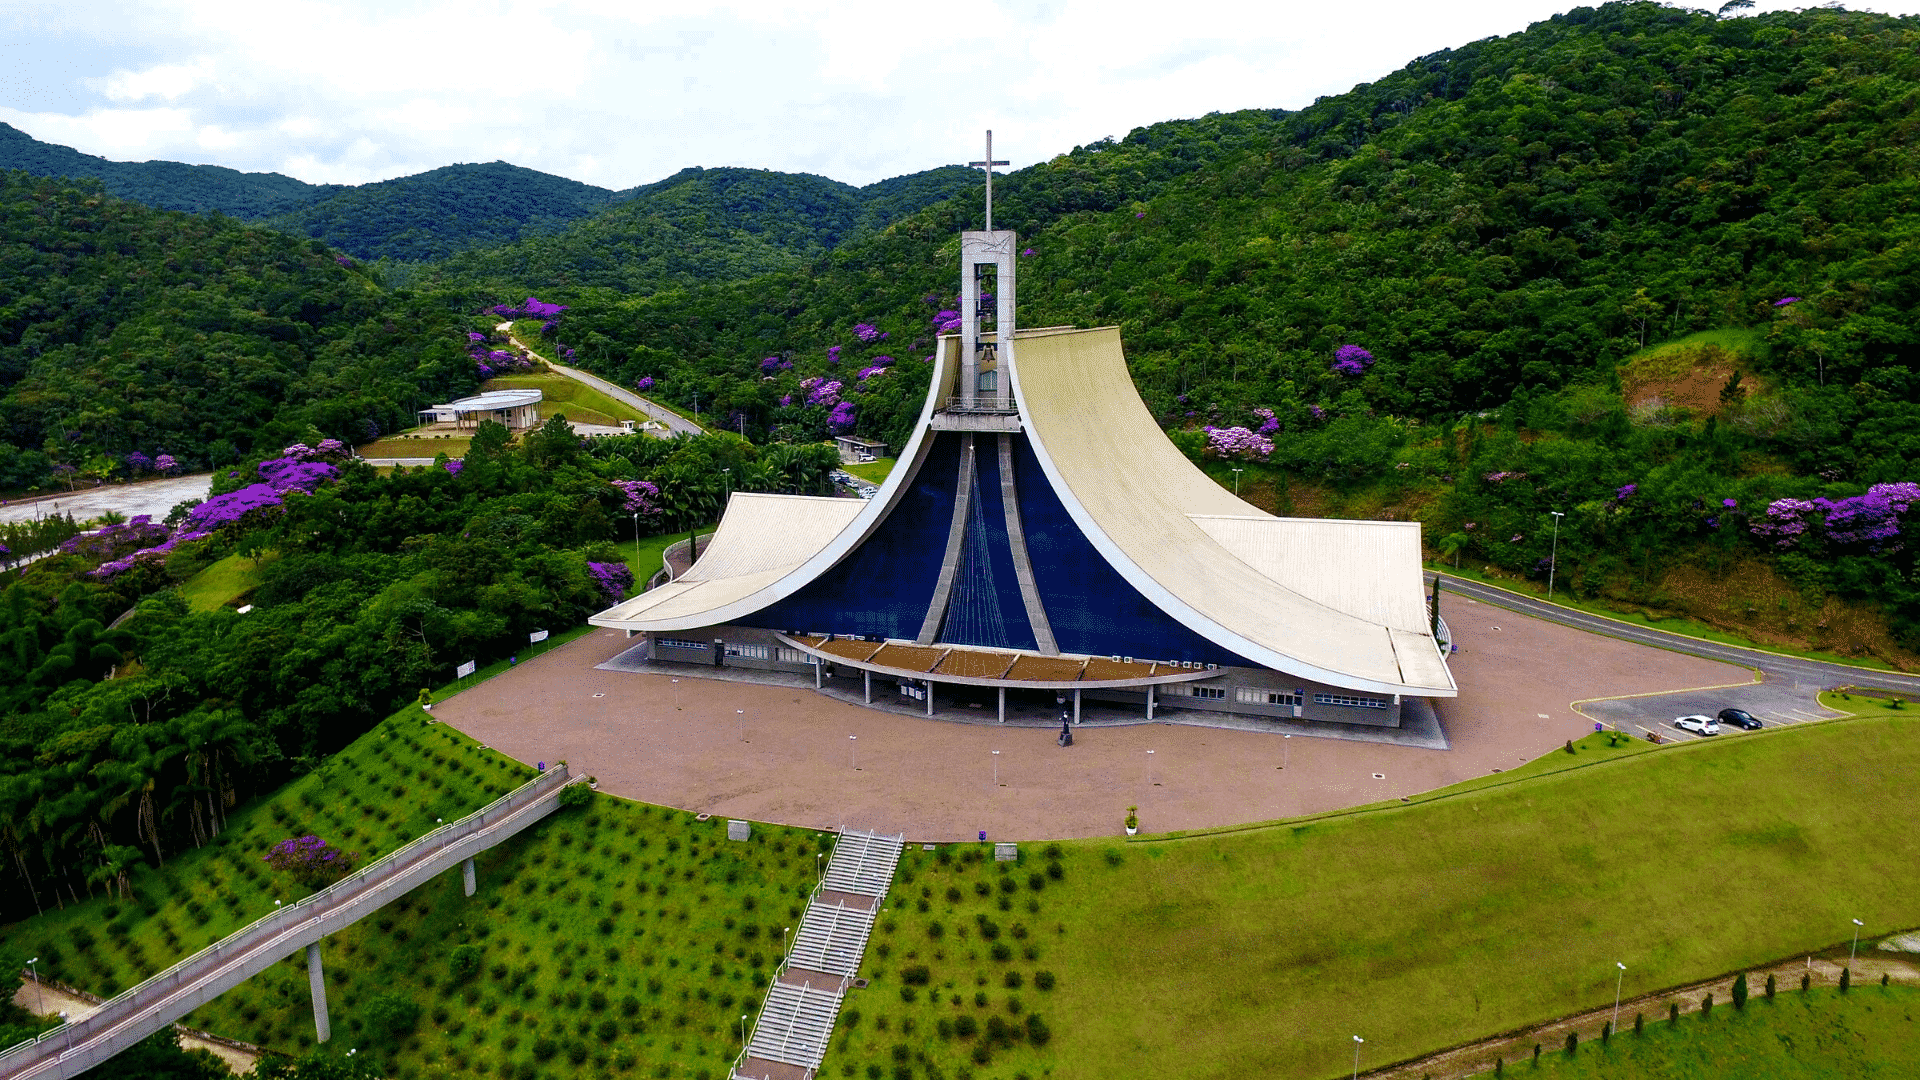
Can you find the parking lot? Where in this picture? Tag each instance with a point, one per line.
(1775, 703)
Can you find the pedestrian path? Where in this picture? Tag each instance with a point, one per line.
(796, 1022)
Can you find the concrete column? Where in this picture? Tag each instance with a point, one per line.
(866, 684)
(466, 875)
(816, 672)
(1003, 704)
(1149, 701)
(317, 982)
(1076, 705)
(929, 697)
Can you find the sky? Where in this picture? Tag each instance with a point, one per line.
(624, 92)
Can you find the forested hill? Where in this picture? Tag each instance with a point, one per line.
(168, 185)
(433, 214)
(702, 225)
(1483, 221)
(125, 329)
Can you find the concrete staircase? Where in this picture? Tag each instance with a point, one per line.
(796, 1022)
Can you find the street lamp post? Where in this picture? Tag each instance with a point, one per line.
(1857, 924)
(853, 758)
(1553, 561)
(1149, 768)
(743, 1033)
(676, 695)
(1357, 1040)
(742, 714)
(996, 768)
(1286, 750)
(39, 1003)
(1236, 481)
(1618, 981)
(636, 536)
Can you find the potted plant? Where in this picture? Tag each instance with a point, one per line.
(1133, 820)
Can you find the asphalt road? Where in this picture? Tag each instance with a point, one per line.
(1785, 691)
(675, 423)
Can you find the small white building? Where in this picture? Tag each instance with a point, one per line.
(517, 409)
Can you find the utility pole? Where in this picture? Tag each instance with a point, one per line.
(1553, 561)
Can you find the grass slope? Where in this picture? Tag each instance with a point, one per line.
(1259, 953)
(619, 937)
(1816, 1035)
(581, 403)
(224, 582)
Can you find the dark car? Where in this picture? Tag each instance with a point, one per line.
(1739, 718)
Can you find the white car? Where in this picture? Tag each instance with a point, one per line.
(1699, 725)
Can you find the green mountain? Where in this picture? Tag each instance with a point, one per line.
(434, 214)
(1497, 228)
(168, 185)
(701, 225)
(124, 328)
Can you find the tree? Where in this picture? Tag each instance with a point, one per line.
(489, 439)
(159, 1057)
(1640, 311)
(1740, 991)
(322, 1063)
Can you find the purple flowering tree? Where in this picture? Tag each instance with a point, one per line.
(165, 465)
(833, 353)
(639, 497)
(1872, 520)
(138, 463)
(643, 383)
(841, 419)
(310, 861)
(612, 579)
(1351, 360)
(868, 333)
(1237, 444)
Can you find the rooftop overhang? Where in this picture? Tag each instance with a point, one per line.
(967, 666)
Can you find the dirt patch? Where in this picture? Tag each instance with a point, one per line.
(1687, 376)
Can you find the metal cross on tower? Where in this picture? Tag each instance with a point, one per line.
(988, 166)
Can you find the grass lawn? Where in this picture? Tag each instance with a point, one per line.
(224, 582)
(1261, 952)
(647, 557)
(873, 472)
(1861, 705)
(1741, 341)
(1871, 1031)
(1684, 627)
(581, 403)
(423, 446)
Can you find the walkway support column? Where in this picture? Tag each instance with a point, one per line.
(1149, 701)
(1076, 705)
(466, 875)
(929, 697)
(866, 684)
(1003, 704)
(816, 673)
(317, 982)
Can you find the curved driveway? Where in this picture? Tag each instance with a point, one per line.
(1785, 692)
(676, 424)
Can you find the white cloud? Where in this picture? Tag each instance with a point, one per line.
(170, 81)
(622, 92)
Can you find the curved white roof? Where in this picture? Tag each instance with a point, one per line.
(1331, 600)
(496, 399)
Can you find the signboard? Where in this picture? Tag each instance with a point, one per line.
(463, 670)
(537, 635)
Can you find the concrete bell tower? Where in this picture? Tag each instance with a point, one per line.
(986, 310)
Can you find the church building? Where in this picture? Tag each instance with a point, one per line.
(1041, 536)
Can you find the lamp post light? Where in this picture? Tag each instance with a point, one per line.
(1357, 1040)
(1286, 750)
(727, 474)
(676, 695)
(1553, 561)
(1618, 981)
(636, 535)
(743, 1033)
(1149, 768)
(853, 757)
(1857, 924)
(784, 931)
(742, 714)
(1236, 480)
(39, 1003)
(996, 768)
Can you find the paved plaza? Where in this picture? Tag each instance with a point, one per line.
(790, 755)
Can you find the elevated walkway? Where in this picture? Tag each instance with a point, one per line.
(796, 1021)
(72, 1049)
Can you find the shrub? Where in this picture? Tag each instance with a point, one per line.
(1036, 882)
(1770, 986)
(1846, 980)
(1043, 980)
(965, 1026)
(1673, 1013)
(1012, 979)
(1002, 952)
(908, 994)
(916, 975)
(935, 930)
(1706, 1006)
(1573, 1043)
(1639, 1023)
(1055, 872)
(464, 963)
(1037, 1031)
(392, 1016)
(1606, 1032)
(310, 861)
(1805, 981)
(1740, 991)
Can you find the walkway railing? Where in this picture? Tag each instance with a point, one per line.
(135, 1013)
